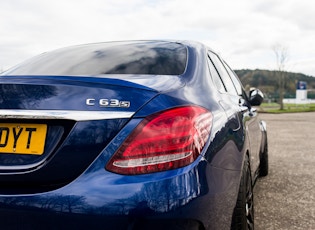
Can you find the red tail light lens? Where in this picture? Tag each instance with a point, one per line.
(163, 141)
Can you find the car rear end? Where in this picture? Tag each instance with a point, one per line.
(107, 150)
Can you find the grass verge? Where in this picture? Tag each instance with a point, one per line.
(288, 108)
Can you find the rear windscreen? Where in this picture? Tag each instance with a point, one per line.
(153, 58)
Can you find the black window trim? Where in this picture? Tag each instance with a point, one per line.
(222, 62)
(213, 65)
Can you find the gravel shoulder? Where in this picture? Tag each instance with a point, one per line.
(285, 199)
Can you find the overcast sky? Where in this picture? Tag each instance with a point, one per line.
(242, 31)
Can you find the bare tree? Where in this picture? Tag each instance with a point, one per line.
(282, 57)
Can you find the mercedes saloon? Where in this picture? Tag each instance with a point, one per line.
(129, 135)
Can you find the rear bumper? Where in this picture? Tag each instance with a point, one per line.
(198, 196)
(42, 220)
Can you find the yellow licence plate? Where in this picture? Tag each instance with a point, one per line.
(22, 138)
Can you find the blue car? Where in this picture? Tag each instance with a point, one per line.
(129, 135)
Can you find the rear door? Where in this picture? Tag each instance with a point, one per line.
(237, 107)
(252, 125)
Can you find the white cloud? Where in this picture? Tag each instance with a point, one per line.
(242, 31)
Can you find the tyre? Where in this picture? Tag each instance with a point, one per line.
(263, 166)
(243, 215)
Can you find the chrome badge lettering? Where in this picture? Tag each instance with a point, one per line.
(107, 103)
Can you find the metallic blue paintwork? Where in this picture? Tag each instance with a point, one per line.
(204, 191)
(46, 93)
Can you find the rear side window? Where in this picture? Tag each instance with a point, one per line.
(236, 81)
(223, 74)
(153, 58)
(215, 77)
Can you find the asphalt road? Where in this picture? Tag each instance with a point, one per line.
(285, 199)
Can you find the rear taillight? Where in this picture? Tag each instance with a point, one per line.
(167, 140)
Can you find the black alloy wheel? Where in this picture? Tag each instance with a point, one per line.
(243, 215)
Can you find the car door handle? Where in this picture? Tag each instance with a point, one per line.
(242, 105)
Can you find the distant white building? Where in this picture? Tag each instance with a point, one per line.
(301, 95)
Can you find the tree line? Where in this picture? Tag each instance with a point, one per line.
(267, 81)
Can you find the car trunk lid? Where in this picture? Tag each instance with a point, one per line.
(52, 128)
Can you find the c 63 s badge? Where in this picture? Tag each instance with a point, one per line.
(107, 103)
